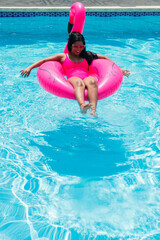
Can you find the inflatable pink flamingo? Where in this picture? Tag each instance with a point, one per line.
(51, 75)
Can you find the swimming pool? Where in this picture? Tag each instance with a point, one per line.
(67, 176)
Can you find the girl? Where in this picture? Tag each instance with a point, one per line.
(75, 64)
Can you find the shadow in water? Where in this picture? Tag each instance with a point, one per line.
(81, 151)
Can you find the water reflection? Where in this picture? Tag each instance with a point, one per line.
(81, 151)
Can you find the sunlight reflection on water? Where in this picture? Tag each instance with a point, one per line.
(68, 176)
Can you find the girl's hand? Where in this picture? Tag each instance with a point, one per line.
(125, 72)
(25, 72)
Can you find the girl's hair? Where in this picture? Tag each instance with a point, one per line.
(78, 37)
(75, 37)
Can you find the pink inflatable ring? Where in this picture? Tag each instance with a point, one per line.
(51, 75)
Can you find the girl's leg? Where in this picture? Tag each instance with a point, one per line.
(79, 88)
(91, 84)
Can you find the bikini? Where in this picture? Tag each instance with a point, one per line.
(75, 69)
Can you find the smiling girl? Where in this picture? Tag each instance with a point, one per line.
(76, 66)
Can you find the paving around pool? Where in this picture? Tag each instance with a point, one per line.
(86, 3)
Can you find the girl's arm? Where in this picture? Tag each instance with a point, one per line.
(58, 57)
(124, 71)
(103, 57)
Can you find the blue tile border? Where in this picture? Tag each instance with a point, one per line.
(117, 14)
(57, 14)
(33, 14)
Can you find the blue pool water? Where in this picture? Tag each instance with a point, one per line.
(65, 176)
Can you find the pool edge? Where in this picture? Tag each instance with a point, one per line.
(88, 9)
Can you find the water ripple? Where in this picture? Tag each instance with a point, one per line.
(65, 176)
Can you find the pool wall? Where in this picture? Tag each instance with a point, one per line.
(90, 11)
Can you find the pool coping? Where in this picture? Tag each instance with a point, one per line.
(88, 9)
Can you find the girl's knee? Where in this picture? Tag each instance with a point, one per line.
(93, 82)
(80, 83)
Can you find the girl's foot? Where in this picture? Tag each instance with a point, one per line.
(93, 112)
(84, 107)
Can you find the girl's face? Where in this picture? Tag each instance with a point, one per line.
(77, 47)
